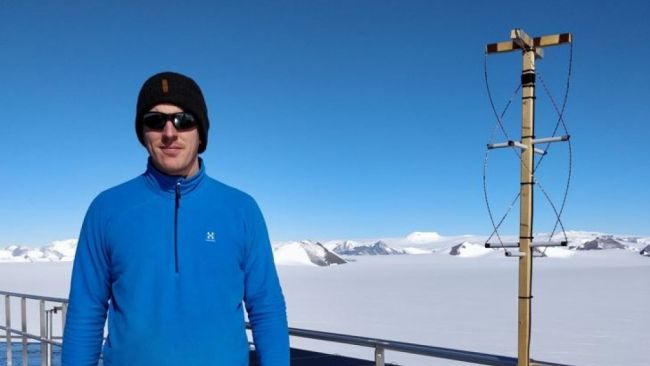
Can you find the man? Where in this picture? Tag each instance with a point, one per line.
(171, 255)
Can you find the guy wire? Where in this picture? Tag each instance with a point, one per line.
(560, 113)
(505, 133)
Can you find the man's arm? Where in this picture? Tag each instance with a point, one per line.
(89, 294)
(263, 296)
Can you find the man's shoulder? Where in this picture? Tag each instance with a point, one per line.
(123, 189)
(228, 192)
(122, 194)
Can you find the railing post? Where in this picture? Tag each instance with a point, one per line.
(23, 327)
(64, 312)
(8, 324)
(48, 318)
(379, 356)
(43, 334)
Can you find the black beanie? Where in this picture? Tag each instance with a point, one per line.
(176, 89)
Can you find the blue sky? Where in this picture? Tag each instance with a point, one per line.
(344, 119)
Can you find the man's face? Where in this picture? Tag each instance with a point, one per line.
(173, 152)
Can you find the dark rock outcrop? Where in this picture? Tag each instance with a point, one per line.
(645, 251)
(378, 248)
(601, 243)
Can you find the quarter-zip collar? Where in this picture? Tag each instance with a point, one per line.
(165, 184)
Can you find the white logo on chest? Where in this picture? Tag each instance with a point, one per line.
(209, 236)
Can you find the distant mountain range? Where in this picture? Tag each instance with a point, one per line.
(464, 246)
(62, 250)
(349, 247)
(335, 252)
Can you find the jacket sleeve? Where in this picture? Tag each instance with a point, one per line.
(89, 294)
(263, 296)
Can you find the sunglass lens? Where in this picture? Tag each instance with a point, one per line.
(154, 120)
(184, 121)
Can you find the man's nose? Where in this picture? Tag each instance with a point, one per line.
(169, 130)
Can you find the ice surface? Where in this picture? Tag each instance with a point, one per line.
(411, 250)
(589, 307)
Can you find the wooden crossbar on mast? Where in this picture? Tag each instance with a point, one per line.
(543, 41)
(531, 49)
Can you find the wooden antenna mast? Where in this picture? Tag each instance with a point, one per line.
(531, 50)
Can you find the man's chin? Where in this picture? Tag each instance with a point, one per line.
(168, 165)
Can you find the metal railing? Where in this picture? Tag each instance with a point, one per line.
(47, 339)
(381, 345)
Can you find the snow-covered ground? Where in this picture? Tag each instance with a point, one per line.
(590, 307)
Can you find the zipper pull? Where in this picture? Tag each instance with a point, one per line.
(178, 193)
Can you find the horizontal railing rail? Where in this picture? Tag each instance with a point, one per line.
(35, 297)
(380, 345)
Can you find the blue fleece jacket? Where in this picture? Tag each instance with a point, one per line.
(176, 257)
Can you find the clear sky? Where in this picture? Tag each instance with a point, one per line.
(344, 119)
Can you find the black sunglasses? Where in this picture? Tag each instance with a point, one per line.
(181, 120)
